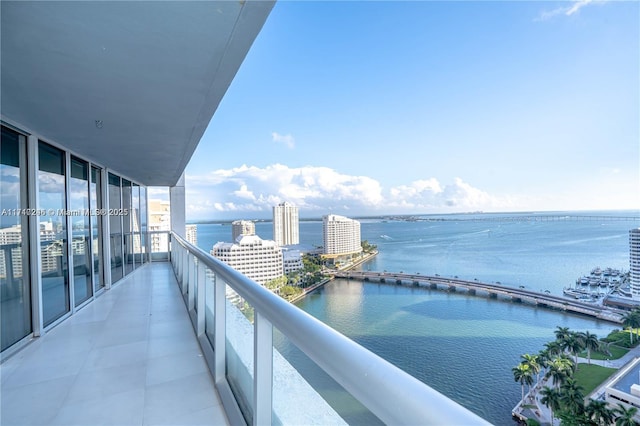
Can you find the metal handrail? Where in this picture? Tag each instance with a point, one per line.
(394, 396)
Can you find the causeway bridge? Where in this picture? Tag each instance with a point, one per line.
(491, 290)
(528, 218)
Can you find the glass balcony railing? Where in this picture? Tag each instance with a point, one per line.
(159, 245)
(239, 325)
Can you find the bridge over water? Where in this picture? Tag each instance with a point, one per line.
(491, 290)
(531, 218)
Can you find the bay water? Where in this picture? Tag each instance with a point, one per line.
(463, 346)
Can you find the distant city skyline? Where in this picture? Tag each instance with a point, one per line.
(371, 108)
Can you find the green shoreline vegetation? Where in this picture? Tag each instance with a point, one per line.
(569, 381)
(292, 285)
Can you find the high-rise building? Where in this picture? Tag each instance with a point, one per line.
(285, 224)
(340, 235)
(634, 262)
(258, 259)
(192, 234)
(242, 227)
(11, 252)
(159, 220)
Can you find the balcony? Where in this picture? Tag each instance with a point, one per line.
(129, 358)
(132, 116)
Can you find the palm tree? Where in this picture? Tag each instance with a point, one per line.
(625, 415)
(553, 348)
(574, 345)
(599, 412)
(572, 397)
(559, 370)
(591, 343)
(568, 418)
(543, 360)
(522, 373)
(631, 320)
(561, 333)
(551, 398)
(636, 311)
(533, 362)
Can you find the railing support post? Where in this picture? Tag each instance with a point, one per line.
(219, 325)
(202, 278)
(185, 270)
(179, 264)
(262, 369)
(191, 284)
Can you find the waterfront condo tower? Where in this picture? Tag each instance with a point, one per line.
(340, 235)
(258, 259)
(285, 224)
(634, 262)
(242, 227)
(192, 234)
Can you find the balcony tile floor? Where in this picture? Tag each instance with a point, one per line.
(130, 357)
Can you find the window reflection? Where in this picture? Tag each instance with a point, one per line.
(79, 209)
(143, 223)
(96, 227)
(115, 223)
(126, 224)
(135, 224)
(15, 290)
(53, 228)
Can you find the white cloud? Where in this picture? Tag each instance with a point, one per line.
(573, 8)
(158, 193)
(253, 191)
(286, 140)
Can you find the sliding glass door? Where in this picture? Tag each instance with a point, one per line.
(53, 233)
(96, 227)
(15, 285)
(126, 226)
(115, 223)
(80, 247)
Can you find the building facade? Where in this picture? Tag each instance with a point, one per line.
(159, 225)
(634, 262)
(340, 236)
(192, 234)
(258, 259)
(286, 229)
(292, 260)
(242, 227)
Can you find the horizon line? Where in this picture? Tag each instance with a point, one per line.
(419, 215)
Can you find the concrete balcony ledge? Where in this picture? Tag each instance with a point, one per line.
(130, 357)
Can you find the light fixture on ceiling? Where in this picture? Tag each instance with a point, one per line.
(99, 124)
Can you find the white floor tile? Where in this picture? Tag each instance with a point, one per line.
(130, 357)
(169, 401)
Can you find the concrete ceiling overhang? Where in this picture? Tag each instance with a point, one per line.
(130, 85)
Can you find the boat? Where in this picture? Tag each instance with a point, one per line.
(576, 293)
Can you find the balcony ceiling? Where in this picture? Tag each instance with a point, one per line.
(152, 73)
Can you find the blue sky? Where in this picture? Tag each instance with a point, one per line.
(366, 108)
